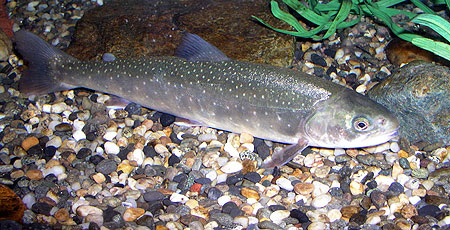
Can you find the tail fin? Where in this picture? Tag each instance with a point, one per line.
(41, 75)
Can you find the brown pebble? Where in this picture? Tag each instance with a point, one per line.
(62, 215)
(248, 166)
(349, 211)
(29, 142)
(99, 178)
(161, 227)
(165, 140)
(303, 188)
(366, 203)
(352, 152)
(131, 214)
(409, 211)
(186, 219)
(250, 193)
(63, 127)
(420, 219)
(34, 174)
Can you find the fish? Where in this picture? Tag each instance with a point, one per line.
(202, 84)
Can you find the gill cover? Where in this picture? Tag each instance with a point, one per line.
(350, 120)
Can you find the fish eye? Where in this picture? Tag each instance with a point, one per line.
(361, 124)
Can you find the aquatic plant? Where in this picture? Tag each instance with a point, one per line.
(338, 14)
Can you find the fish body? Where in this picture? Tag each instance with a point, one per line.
(203, 85)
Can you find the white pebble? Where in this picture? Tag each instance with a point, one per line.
(59, 107)
(249, 146)
(111, 148)
(384, 182)
(232, 167)
(278, 215)
(223, 200)
(242, 221)
(55, 142)
(110, 135)
(221, 161)
(78, 125)
(29, 200)
(321, 201)
(161, 149)
(338, 152)
(394, 147)
(137, 155)
(55, 170)
(222, 178)
(414, 199)
(319, 188)
(334, 214)
(361, 89)
(285, 184)
(339, 54)
(318, 226)
(79, 135)
(178, 198)
(212, 175)
(373, 220)
(46, 108)
(231, 150)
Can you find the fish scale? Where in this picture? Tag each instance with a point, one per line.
(205, 86)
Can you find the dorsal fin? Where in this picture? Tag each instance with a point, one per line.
(194, 48)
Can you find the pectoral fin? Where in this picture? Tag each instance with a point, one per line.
(287, 154)
(187, 123)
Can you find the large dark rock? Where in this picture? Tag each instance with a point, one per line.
(419, 95)
(134, 28)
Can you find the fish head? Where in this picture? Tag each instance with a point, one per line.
(350, 120)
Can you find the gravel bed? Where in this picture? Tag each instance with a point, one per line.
(77, 164)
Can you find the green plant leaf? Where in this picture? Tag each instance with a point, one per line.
(436, 23)
(340, 17)
(308, 14)
(438, 48)
(423, 7)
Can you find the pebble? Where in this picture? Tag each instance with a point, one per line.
(285, 184)
(279, 215)
(131, 214)
(29, 142)
(106, 166)
(79, 135)
(232, 167)
(321, 201)
(207, 137)
(178, 198)
(356, 188)
(250, 193)
(420, 173)
(137, 156)
(246, 138)
(34, 174)
(303, 188)
(86, 210)
(111, 148)
(55, 141)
